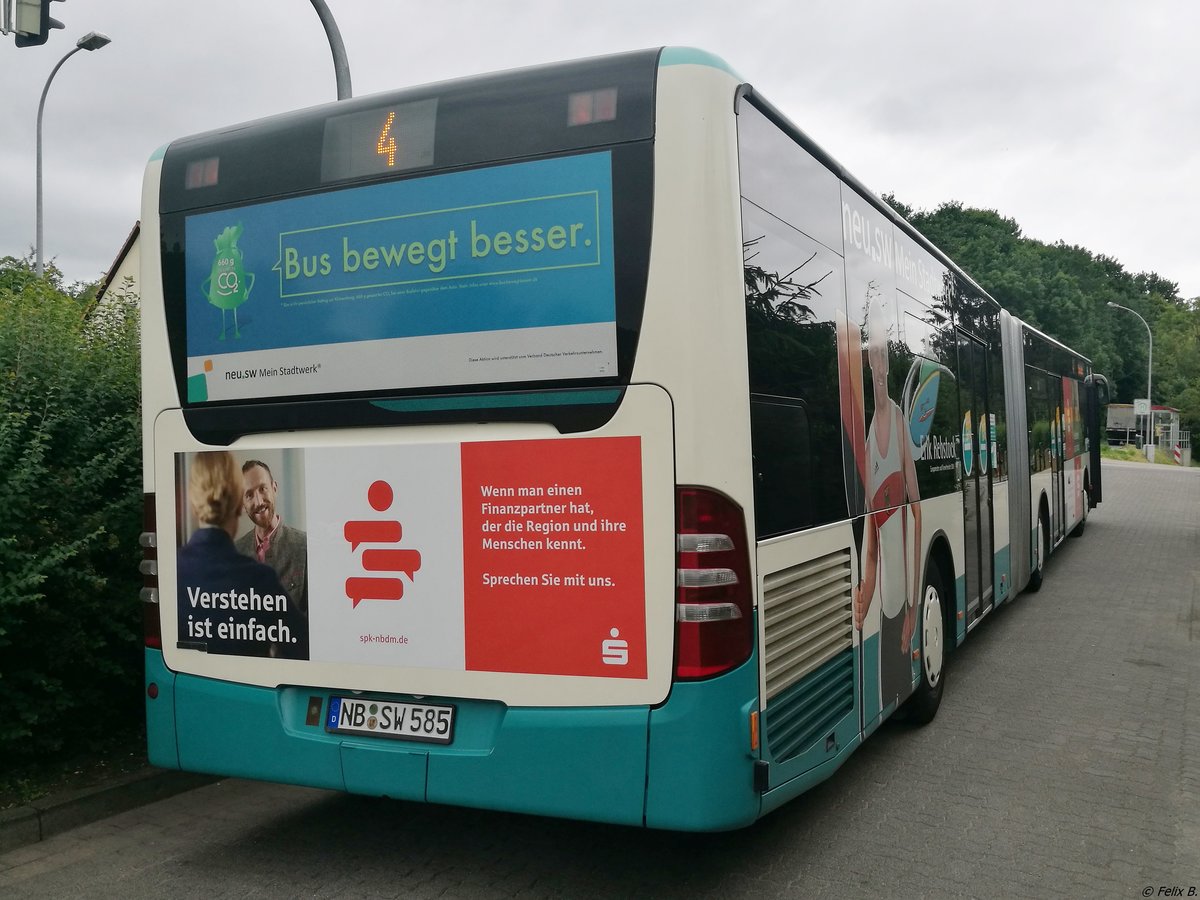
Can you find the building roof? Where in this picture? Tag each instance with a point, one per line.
(1157, 407)
(116, 264)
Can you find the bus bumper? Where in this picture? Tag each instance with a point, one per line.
(579, 763)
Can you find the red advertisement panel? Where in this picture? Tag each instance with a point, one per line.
(553, 563)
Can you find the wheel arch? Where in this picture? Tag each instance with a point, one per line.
(1044, 546)
(1043, 508)
(941, 556)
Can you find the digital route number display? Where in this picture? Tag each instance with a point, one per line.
(379, 141)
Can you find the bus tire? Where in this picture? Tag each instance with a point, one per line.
(1043, 539)
(1077, 531)
(923, 705)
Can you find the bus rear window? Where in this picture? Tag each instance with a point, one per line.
(497, 275)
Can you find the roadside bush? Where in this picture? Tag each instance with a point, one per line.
(70, 513)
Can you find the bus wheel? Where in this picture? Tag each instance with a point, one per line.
(1077, 531)
(923, 704)
(1043, 550)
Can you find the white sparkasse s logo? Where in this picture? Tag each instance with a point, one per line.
(613, 650)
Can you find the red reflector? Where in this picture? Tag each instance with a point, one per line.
(605, 106)
(151, 626)
(587, 107)
(202, 173)
(315, 705)
(579, 109)
(714, 575)
(152, 691)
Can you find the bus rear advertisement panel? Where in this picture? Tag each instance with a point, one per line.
(496, 274)
(490, 556)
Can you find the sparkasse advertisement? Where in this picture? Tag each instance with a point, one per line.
(521, 556)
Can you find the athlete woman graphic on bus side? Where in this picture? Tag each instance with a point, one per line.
(891, 566)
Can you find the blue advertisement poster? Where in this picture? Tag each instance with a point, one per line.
(497, 274)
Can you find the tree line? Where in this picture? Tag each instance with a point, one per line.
(1062, 289)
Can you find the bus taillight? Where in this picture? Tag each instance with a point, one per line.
(152, 627)
(714, 621)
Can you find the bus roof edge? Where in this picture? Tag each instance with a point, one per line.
(692, 56)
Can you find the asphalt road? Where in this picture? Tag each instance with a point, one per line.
(1065, 761)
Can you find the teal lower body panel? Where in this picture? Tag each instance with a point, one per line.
(685, 765)
(574, 763)
(701, 765)
(581, 763)
(253, 732)
(776, 797)
(1003, 569)
(161, 747)
(872, 703)
(398, 772)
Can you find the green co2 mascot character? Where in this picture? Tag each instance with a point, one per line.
(228, 287)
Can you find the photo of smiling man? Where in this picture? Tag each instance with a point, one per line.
(271, 540)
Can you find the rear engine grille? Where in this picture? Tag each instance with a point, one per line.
(809, 619)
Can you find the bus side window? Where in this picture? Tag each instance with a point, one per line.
(795, 290)
(1079, 434)
(783, 476)
(1039, 416)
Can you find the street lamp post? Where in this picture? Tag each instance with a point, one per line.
(1149, 369)
(91, 41)
(341, 65)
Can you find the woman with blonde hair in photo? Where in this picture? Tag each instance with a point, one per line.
(214, 490)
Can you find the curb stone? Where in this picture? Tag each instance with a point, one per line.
(57, 813)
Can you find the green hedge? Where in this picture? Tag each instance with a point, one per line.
(70, 513)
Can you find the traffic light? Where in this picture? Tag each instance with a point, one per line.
(33, 22)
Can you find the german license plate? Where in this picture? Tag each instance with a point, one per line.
(384, 718)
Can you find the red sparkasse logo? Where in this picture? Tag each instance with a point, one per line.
(393, 560)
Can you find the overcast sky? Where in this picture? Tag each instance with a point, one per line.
(1081, 120)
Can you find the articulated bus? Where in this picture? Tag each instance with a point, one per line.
(580, 440)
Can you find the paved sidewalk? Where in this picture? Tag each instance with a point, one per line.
(57, 813)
